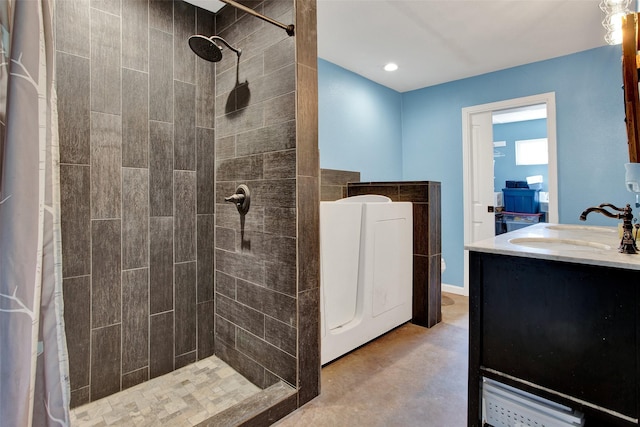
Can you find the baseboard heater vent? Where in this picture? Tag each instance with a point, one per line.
(505, 406)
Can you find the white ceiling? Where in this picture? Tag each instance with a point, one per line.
(437, 41)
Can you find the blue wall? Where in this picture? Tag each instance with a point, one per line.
(591, 134)
(360, 124)
(504, 167)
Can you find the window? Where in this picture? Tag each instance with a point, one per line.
(532, 152)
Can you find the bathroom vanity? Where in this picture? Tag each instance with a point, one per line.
(555, 312)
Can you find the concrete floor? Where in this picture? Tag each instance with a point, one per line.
(412, 376)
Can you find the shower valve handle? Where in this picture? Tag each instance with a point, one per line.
(241, 198)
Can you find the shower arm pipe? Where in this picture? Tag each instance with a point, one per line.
(288, 28)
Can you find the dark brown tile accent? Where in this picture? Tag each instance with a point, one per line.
(306, 33)
(161, 169)
(421, 228)
(205, 169)
(161, 339)
(205, 251)
(135, 30)
(184, 26)
(75, 219)
(414, 193)
(160, 73)
(307, 121)
(391, 191)
(135, 218)
(435, 292)
(106, 161)
(275, 360)
(135, 377)
(185, 302)
(338, 177)
(435, 219)
(185, 216)
(241, 315)
(308, 345)
(77, 325)
(135, 319)
(105, 362)
(135, 119)
(185, 126)
(420, 290)
(105, 63)
(72, 26)
(205, 313)
(105, 268)
(161, 264)
(73, 108)
(273, 304)
(308, 234)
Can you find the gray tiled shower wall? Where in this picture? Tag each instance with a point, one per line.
(137, 154)
(144, 127)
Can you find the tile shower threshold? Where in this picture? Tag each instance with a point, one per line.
(206, 393)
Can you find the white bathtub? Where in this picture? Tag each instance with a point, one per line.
(366, 258)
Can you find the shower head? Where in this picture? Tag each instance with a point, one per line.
(207, 49)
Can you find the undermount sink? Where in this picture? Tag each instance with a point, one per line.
(556, 244)
(570, 227)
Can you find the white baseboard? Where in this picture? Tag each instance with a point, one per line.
(452, 289)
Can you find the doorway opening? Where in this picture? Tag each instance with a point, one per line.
(478, 170)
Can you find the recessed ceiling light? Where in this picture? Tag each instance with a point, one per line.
(390, 67)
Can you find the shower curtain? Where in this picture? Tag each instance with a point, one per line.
(34, 381)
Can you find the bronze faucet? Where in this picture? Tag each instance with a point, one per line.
(628, 242)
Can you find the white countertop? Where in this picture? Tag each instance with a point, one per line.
(582, 244)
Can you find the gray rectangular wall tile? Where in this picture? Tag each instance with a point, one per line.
(105, 268)
(161, 15)
(161, 337)
(160, 169)
(135, 319)
(77, 326)
(106, 158)
(135, 377)
(105, 63)
(73, 108)
(135, 30)
(280, 136)
(205, 329)
(161, 75)
(185, 301)
(185, 126)
(239, 265)
(275, 360)
(105, 362)
(205, 168)
(280, 164)
(185, 216)
(161, 264)
(72, 27)
(135, 218)
(135, 119)
(273, 304)
(205, 251)
(184, 25)
(75, 220)
(281, 335)
(110, 6)
(241, 315)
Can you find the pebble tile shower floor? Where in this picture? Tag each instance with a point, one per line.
(184, 397)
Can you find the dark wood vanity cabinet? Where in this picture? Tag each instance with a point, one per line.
(564, 331)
